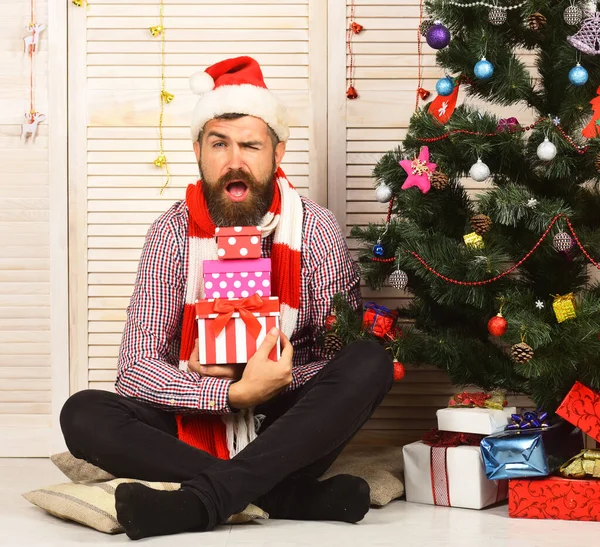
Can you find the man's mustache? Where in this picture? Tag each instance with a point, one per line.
(237, 175)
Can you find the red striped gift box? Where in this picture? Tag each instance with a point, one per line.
(231, 330)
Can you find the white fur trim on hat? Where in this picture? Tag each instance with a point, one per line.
(243, 99)
(201, 82)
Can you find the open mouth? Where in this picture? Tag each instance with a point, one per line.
(237, 190)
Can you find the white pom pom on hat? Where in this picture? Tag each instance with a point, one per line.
(201, 83)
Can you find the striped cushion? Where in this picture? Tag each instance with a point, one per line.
(93, 503)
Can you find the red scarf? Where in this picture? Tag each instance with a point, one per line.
(224, 436)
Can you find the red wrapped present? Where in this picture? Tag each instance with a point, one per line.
(238, 242)
(581, 407)
(378, 319)
(554, 498)
(230, 331)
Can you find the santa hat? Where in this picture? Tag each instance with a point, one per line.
(236, 86)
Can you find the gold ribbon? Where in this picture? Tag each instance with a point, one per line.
(226, 308)
(586, 463)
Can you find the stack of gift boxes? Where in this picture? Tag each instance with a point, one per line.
(446, 468)
(238, 309)
(483, 451)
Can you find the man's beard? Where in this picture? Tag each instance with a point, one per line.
(248, 212)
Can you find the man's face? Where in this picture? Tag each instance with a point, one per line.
(237, 164)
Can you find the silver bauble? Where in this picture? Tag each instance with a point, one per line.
(563, 242)
(573, 15)
(497, 16)
(479, 171)
(383, 193)
(398, 279)
(546, 151)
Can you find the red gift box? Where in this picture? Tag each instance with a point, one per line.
(378, 319)
(554, 498)
(230, 331)
(581, 407)
(238, 242)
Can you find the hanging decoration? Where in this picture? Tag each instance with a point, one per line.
(481, 223)
(473, 240)
(573, 14)
(479, 171)
(353, 28)
(165, 97)
(587, 38)
(438, 180)
(383, 193)
(378, 249)
(425, 26)
(444, 86)
(578, 75)
(419, 171)
(497, 16)
(486, 4)
(31, 46)
(592, 129)
(564, 307)
(507, 124)
(521, 352)
(484, 69)
(563, 242)
(497, 325)
(536, 21)
(438, 36)
(546, 151)
(398, 279)
(81, 3)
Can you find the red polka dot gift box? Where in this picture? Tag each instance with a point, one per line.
(235, 242)
(237, 278)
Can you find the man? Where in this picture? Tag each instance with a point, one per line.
(184, 423)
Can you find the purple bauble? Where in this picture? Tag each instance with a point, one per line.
(438, 36)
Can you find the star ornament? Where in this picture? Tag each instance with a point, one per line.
(418, 171)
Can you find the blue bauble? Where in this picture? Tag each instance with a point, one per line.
(578, 75)
(484, 69)
(438, 36)
(378, 249)
(444, 86)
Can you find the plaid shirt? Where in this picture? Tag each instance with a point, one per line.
(148, 369)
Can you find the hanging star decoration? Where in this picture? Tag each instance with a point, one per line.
(419, 170)
(539, 305)
(556, 121)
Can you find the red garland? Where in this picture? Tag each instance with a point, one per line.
(579, 149)
(505, 272)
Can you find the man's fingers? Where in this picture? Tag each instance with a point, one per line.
(218, 371)
(268, 343)
(287, 350)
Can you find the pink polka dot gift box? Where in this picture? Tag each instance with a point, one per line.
(237, 278)
(235, 242)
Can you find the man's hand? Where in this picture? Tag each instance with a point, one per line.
(229, 372)
(262, 378)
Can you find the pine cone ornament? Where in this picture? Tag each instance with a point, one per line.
(438, 180)
(521, 352)
(597, 162)
(425, 26)
(536, 21)
(481, 224)
(333, 343)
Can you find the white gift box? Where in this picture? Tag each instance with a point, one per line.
(481, 421)
(452, 477)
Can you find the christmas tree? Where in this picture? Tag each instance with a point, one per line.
(526, 244)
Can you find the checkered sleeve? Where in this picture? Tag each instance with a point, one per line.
(332, 271)
(147, 367)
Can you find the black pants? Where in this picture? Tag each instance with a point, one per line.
(303, 433)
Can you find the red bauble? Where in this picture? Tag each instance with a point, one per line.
(497, 325)
(330, 321)
(398, 371)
